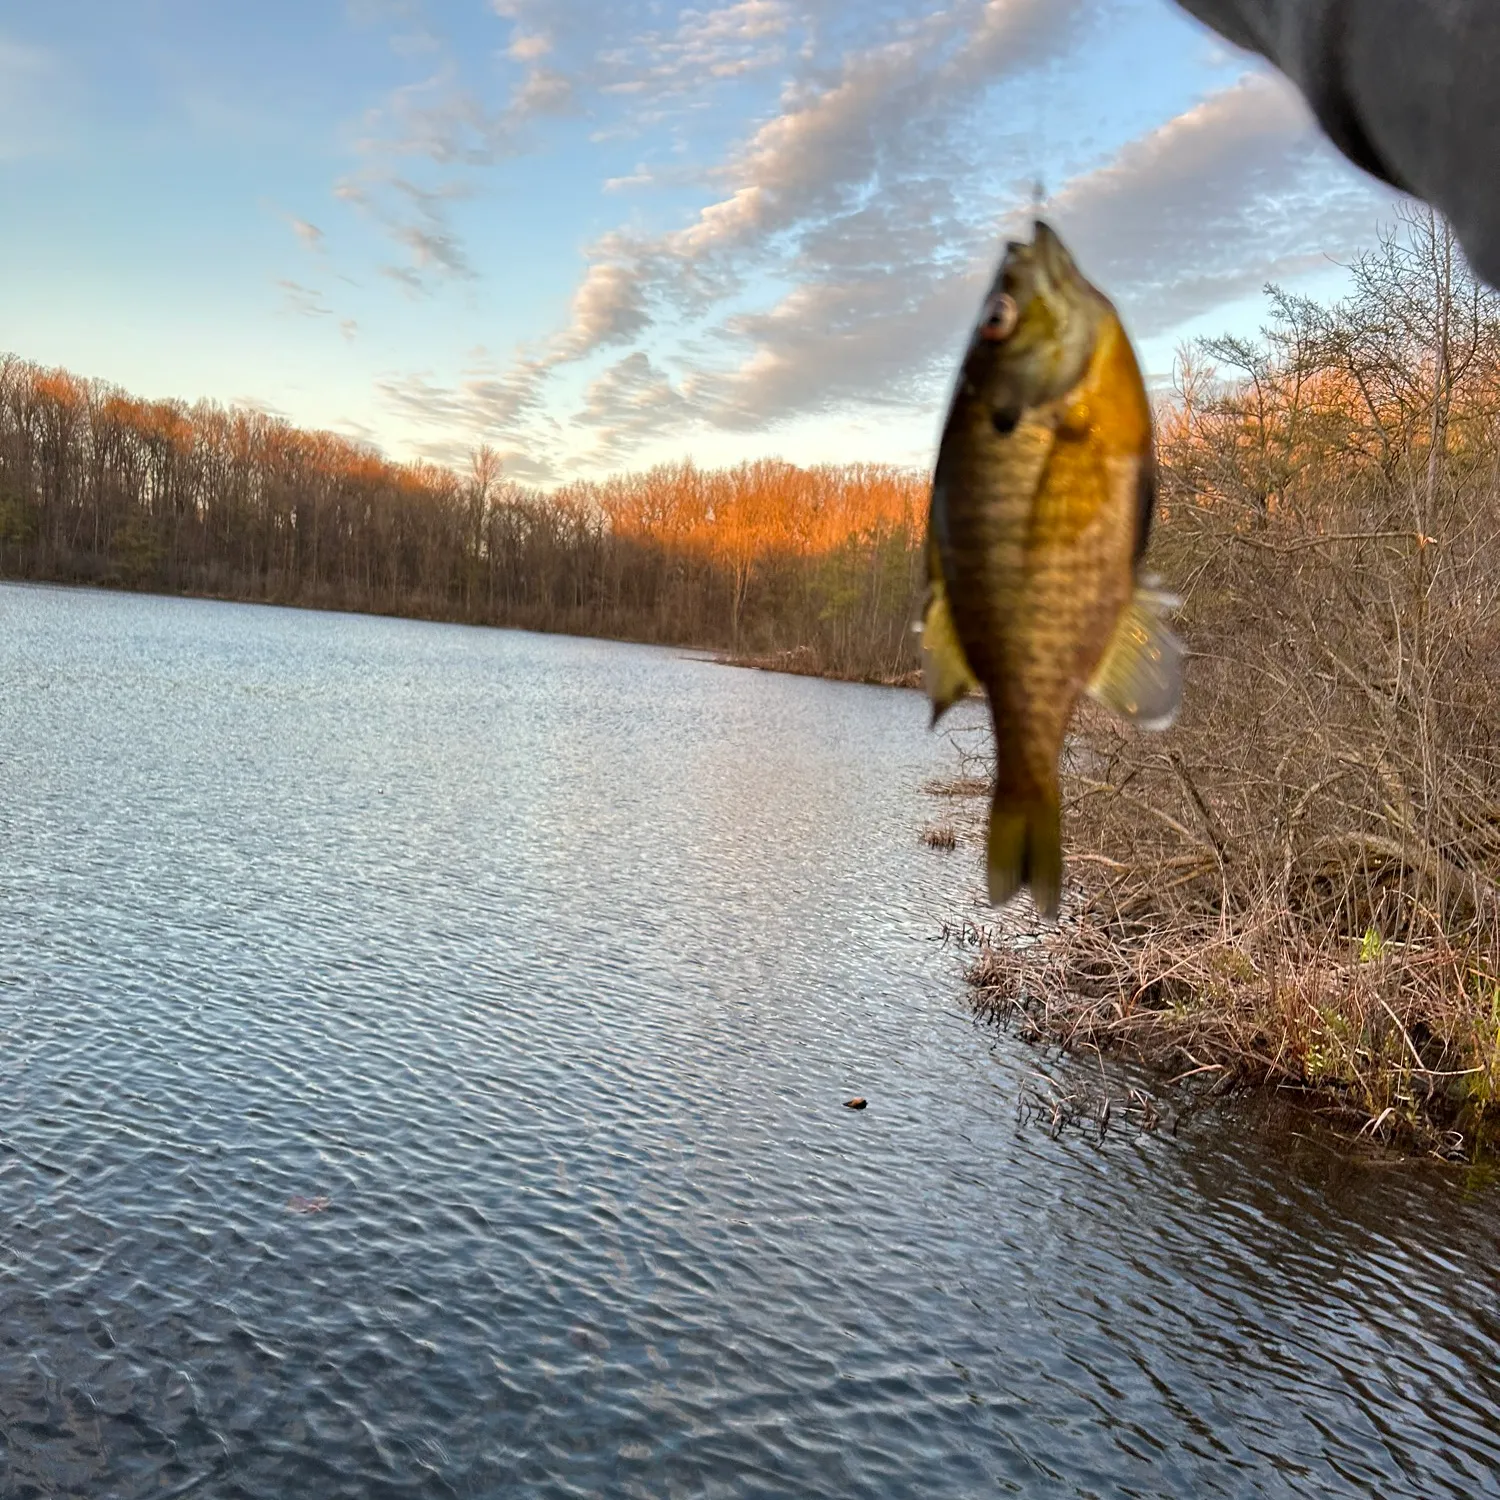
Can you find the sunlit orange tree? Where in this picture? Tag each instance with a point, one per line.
(815, 567)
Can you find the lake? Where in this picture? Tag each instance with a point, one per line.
(422, 1055)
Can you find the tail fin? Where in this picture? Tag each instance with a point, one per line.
(1025, 848)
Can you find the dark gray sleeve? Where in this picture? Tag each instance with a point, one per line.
(1407, 89)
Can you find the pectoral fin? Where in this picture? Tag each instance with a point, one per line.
(945, 669)
(1140, 675)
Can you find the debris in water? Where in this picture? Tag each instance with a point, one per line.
(301, 1205)
(855, 1103)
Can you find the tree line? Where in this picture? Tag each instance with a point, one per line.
(816, 567)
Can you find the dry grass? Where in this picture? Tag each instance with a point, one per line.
(963, 785)
(940, 836)
(1398, 1045)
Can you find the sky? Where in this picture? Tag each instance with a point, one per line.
(600, 234)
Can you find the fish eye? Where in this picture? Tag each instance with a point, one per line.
(1000, 318)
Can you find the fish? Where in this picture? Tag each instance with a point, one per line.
(1042, 501)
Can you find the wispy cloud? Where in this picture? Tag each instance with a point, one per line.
(835, 191)
(529, 46)
(308, 235)
(262, 407)
(305, 301)
(876, 124)
(441, 122)
(32, 82)
(704, 48)
(1207, 207)
(838, 256)
(489, 404)
(1237, 190)
(631, 403)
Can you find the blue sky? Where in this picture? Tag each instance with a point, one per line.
(599, 233)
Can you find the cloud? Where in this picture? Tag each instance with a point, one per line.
(406, 21)
(639, 178)
(417, 219)
(451, 121)
(836, 192)
(310, 236)
(528, 46)
(544, 91)
(516, 463)
(1238, 189)
(878, 121)
(485, 404)
(437, 118)
(864, 202)
(305, 301)
(432, 248)
(32, 84)
(829, 345)
(431, 240)
(608, 308)
(732, 25)
(705, 47)
(260, 407)
(633, 402)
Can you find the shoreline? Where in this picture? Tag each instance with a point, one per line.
(1216, 1012)
(1189, 1050)
(798, 661)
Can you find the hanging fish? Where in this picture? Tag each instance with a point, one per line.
(1041, 508)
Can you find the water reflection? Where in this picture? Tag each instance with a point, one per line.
(547, 964)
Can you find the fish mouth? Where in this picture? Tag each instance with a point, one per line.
(1041, 267)
(1051, 252)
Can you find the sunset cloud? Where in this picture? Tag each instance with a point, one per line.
(596, 235)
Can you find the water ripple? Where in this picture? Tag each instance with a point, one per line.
(421, 1054)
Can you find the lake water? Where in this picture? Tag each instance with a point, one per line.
(547, 964)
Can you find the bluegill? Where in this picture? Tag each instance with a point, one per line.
(1042, 501)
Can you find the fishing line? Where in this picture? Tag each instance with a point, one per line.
(1041, 139)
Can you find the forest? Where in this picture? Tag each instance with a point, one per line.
(809, 568)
